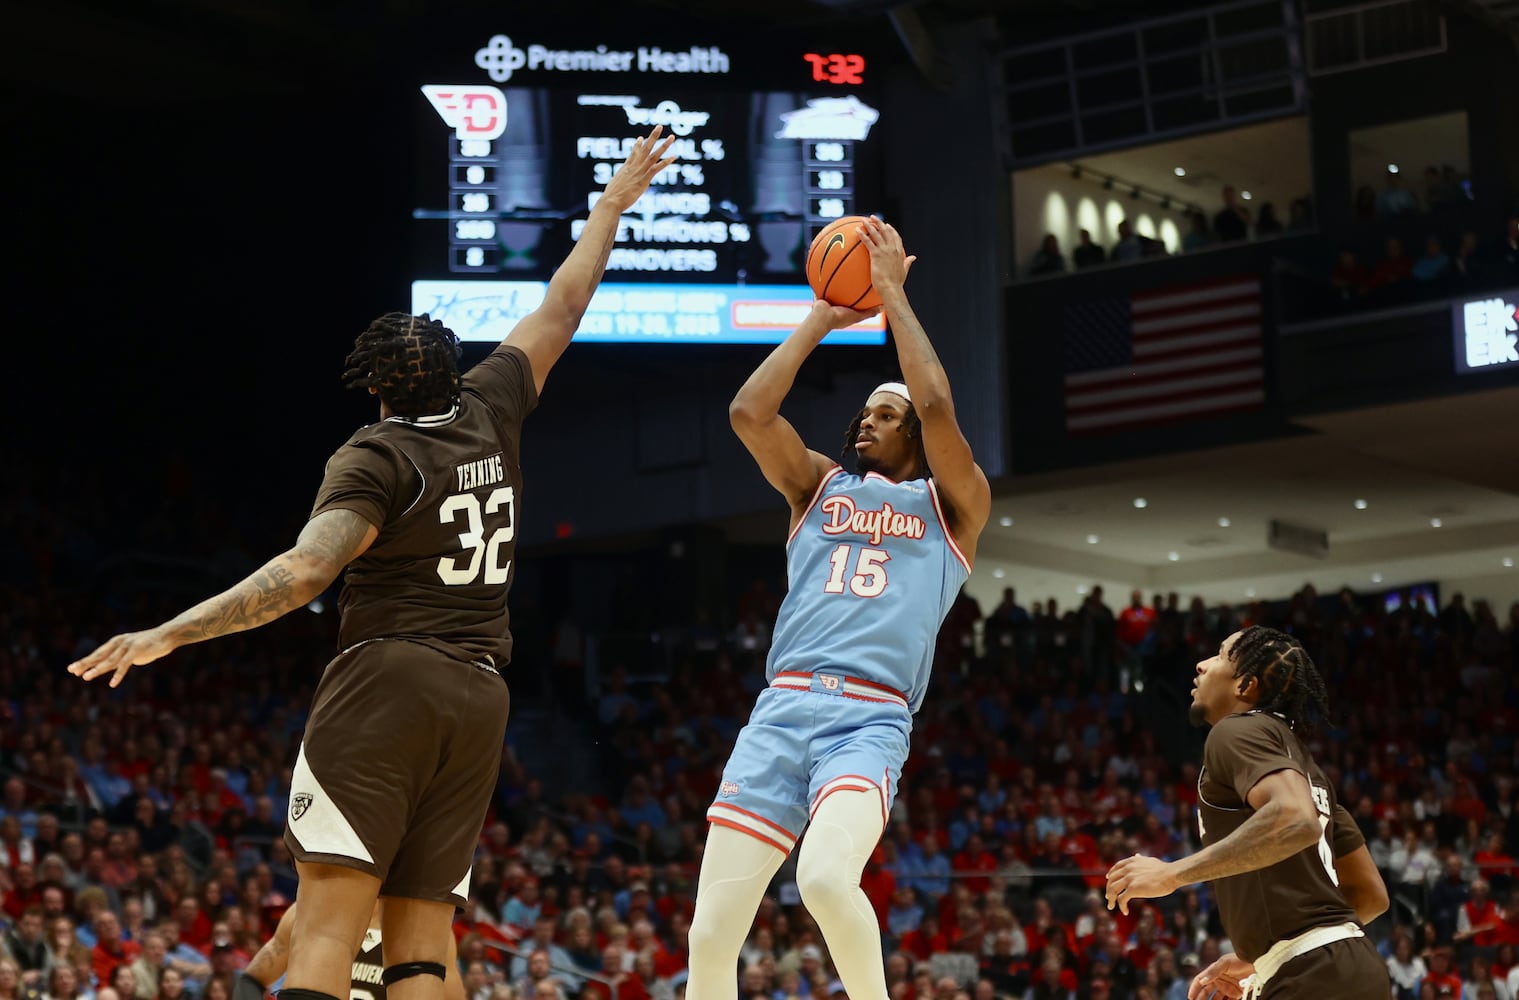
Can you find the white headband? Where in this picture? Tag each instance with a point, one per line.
(896, 387)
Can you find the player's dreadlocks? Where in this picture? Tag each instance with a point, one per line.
(911, 426)
(1290, 684)
(412, 361)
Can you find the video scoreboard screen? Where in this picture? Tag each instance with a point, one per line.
(771, 145)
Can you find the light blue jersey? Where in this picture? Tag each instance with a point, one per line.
(871, 570)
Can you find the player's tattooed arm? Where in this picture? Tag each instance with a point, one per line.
(290, 580)
(1284, 823)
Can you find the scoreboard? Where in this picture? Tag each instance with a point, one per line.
(771, 145)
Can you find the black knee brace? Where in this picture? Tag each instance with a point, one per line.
(395, 973)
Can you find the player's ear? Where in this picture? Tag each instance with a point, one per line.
(1250, 689)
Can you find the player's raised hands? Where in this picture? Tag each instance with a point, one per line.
(838, 317)
(889, 261)
(121, 653)
(638, 171)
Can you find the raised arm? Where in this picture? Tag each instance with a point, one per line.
(330, 541)
(961, 482)
(755, 412)
(544, 333)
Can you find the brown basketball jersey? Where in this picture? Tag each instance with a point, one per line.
(444, 492)
(1299, 892)
(368, 969)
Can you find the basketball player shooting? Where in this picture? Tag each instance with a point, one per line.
(419, 511)
(874, 558)
(1289, 867)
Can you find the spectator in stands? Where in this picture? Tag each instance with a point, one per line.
(147, 969)
(110, 949)
(1508, 252)
(1087, 254)
(1478, 918)
(543, 941)
(63, 984)
(1468, 266)
(523, 906)
(1366, 203)
(1349, 279)
(1435, 264)
(10, 981)
(1266, 223)
(1395, 200)
(1406, 969)
(1135, 625)
(1232, 222)
(172, 986)
(24, 944)
(1300, 215)
(1048, 259)
(1198, 235)
(1440, 974)
(1128, 246)
(1393, 269)
(1447, 895)
(537, 972)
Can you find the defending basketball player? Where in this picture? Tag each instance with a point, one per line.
(874, 559)
(267, 967)
(419, 511)
(1291, 871)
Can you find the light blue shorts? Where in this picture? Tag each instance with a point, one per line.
(811, 735)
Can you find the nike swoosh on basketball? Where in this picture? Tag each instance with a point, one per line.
(837, 239)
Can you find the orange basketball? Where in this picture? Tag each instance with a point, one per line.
(838, 266)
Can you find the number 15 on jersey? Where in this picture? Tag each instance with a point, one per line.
(862, 570)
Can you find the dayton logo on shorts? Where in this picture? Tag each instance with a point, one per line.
(728, 789)
(476, 111)
(299, 803)
(830, 683)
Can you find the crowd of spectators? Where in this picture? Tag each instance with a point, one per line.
(1234, 222)
(1408, 243)
(139, 828)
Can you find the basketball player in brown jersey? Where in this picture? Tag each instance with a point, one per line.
(1291, 871)
(401, 751)
(268, 964)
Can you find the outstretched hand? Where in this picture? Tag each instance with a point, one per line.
(1139, 877)
(889, 261)
(639, 170)
(119, 654)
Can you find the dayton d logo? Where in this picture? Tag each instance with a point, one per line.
(299, 803)
(475, 111)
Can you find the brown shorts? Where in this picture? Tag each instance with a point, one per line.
(1345, 970)
(397, 767)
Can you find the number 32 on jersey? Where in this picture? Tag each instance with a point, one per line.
(481, 550)
(860, 569)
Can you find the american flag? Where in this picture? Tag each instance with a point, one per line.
(1164, 354)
